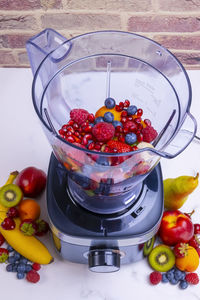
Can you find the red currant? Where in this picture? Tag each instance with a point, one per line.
(12, 212)
(8, 224)
(196, 228)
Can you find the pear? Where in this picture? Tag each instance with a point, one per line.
(177, 190)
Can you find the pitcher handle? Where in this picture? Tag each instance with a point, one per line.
(182, 139)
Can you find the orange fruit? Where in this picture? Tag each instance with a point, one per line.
(101, 111)
(189, 262)
(29, 209)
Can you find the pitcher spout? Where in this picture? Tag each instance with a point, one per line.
(46, 42)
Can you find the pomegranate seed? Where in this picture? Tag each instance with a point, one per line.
(118, 108)
(91, 118)
(147, 122)
(130, 118)
(121, 138)
(107, 149)
(69, 133)
(61, 132)
(123, 119)
(70, 129)
(139, 126)
(71, 122)
(196, 228)
(126, 103)
(126, 130)
(121, 104)
(139, 112)
(91, 146)
(135, 148)
(137, 120)
(97, 147)
(70, 139)
(75, 126)
(124, 113)
(84, 124)
(118, 129)
(64, 127)
(139, 137)
(76, 133)
(117, 134)
(87, 128)
(114, 150)
(77, 140)
(88, 136)
(133, 128)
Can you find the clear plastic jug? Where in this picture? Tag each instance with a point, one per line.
(74, 74)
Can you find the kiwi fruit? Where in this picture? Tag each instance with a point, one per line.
(10, 195)
(148, 246)
(161, 258)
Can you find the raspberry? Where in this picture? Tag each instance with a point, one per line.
(192, 278)
(33, 276)
(103, 131)
(149, 134)
(155, 277)
(36, 266)
(79, 115)
(121, 147)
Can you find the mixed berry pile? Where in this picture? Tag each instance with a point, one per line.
(115, 128)
(18, 264)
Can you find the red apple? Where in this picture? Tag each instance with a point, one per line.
(32, 181)
(175, 228)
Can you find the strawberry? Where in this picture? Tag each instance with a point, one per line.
(42, 227)
(79, 115)
(3, 255)
(121, 147)
(192, 278)
(180, 250)
(28, 227)
(2, 240)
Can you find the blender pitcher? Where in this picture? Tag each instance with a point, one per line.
(81, 73)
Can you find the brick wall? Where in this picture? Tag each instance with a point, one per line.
(173, 23)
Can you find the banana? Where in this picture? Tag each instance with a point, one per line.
(28, 246)
(11, 178)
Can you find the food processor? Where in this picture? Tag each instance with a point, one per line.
(102, 213)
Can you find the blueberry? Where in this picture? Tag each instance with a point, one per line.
(91, 124)
(117, 123)
(23, 260)
(28, 268)
(130, 138)
(131, 110)
(9, 268)
(10, 249)
(102, 160)
(110, 103)
(164, 278)
(173, 281)
(98, 120)
(108, 117)
(17, 255)
(15, 266)
(21, 268)
(170, 275)
(179, 275)
(20, 275)
(183, 284)
(12, 259)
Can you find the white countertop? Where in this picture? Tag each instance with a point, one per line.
(23, 144)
